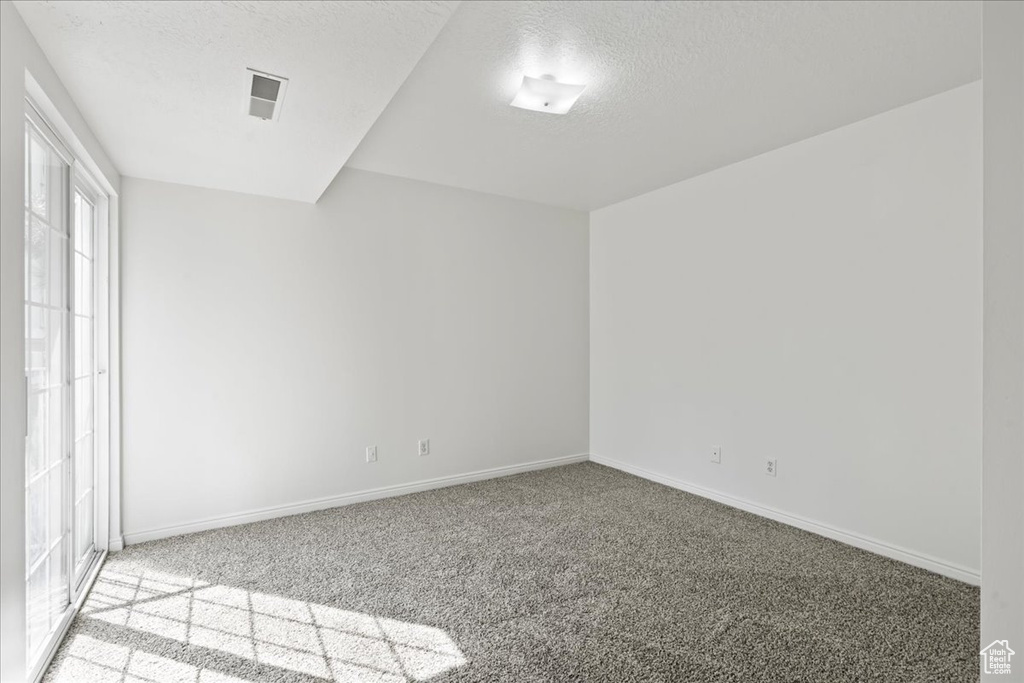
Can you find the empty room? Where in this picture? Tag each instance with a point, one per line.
(399, 341)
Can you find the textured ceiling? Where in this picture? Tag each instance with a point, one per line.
(162, 84)
(674, 89)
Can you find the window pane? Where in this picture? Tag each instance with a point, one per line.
(88, 337)
(83, 466)
(55, 347)
(37, 365)
(59, 597)
(83, 346)
(38, 176)
(85, 238)
(38, 608)
(84, 527)
(37, 538)
(83, 285)
(77, 208)
(88, 404)
(85, 280)
(56, 184)
(58, 267)
(55, 504)
(54, 425)
(38, 260)
(35, 443)
(83, 406)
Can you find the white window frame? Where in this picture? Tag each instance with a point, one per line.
(83, 183)
(107, 525)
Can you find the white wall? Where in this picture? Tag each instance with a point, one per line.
(1002, 589)
(266, 343)
(819, 304)
(20, 56)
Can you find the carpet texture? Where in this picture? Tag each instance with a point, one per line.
(577, 573)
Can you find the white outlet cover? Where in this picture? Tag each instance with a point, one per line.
(424, 446)
(371, 454)
(771, 467)
(716, 454)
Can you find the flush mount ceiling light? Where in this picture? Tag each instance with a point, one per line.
(547, 95)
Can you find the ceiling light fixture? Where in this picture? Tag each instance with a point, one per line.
(547, 95)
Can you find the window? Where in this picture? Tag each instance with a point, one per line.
(61, 227)
(46, 344)
(83, 386)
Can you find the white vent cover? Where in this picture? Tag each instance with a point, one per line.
(264, 94)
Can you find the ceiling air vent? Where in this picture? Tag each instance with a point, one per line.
(264, 95)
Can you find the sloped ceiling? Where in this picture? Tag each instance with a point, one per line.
(162, 84)
(422, 89)
(674, 89)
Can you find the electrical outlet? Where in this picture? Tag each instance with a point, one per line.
(770, 466)
(716, 454)
(424, 446)
(371, 454)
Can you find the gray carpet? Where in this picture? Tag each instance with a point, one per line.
(578, 573)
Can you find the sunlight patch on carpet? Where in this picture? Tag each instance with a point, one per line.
(272, 630)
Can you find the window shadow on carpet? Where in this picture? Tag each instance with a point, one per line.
(243, 632)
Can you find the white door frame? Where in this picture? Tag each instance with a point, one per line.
(108, 248)
(108, 534)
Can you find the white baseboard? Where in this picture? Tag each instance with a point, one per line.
(878, 547)
(116, 545)
(344, 499)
